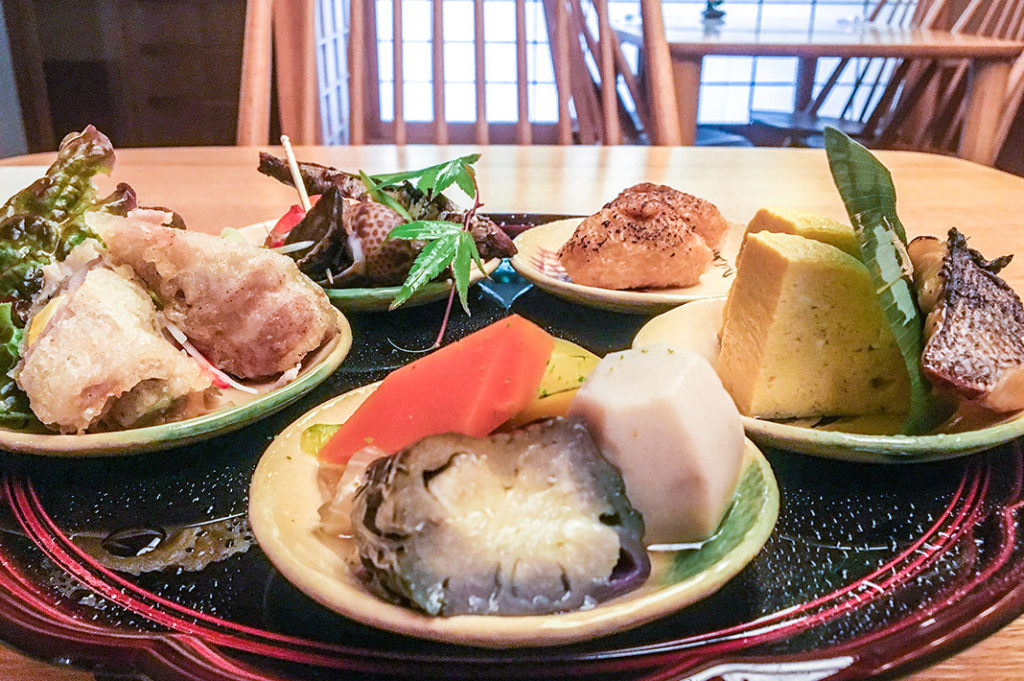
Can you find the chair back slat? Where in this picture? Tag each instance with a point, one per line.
(523, 132)
(480, 74)
(586, 57)
(297, 80)
(254, 91)
(560, 58)
(437, 58)
(357, 65)
(609, 97)
(398, 68)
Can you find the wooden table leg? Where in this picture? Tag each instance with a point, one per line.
(686, 74)
(806, 69)
(986, 92)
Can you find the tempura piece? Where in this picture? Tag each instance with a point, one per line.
(247, 309)
(77, 373)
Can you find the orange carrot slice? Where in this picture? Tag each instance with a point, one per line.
(471, 387)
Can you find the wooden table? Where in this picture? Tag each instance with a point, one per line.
(990, 61)
(217, 187)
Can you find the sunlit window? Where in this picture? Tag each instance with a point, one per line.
(730, 86)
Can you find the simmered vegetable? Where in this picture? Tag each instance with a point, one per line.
(530, 522)
(471, 387)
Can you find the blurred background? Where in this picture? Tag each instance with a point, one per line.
(167, 72)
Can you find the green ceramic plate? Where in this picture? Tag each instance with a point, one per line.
(283, 501)
(868, 439)
(536, 261)
(378, 298)
(240, 408)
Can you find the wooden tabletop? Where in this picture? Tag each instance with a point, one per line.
(689, 41)
(836, 40)
(218, 187)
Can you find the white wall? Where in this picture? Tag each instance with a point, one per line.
(12, 133)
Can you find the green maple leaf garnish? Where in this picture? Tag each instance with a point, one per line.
(449, 245)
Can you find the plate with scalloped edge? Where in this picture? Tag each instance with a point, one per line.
(284, 497)
(234, 409)
(377, 298)
(537, 261)
(871, 439)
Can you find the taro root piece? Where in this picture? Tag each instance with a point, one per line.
(529, 522)
(975, 326)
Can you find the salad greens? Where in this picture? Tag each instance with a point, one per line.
(44, 221)
(870, 198)
(13, 402)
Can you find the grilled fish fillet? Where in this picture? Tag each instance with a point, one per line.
(975, 326)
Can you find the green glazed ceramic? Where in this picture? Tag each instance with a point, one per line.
(240, 409)
(865, 439)
(283, 502)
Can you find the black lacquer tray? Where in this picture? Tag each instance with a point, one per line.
(868, 564)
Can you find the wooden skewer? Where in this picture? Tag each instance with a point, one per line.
(293, 165)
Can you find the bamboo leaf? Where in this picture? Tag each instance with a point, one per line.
(870, 198)
(434, 257)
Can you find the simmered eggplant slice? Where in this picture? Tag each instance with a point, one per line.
(324, 226)
(530, 522)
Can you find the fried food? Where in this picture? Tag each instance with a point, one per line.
(649, 236)
(77, 373)
(248, 310)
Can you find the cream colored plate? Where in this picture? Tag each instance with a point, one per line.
(239, 409)
(283, 502)
(537, 261)
(377, 298)
(867, 438)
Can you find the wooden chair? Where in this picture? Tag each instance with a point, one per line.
(587, 68)
(943, 117)
(282, 33)
(877, 82)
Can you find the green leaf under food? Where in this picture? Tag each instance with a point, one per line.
(870, 198)
(429, 263)
(316, 436)
(14, 404)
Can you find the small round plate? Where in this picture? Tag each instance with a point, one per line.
(240, 409)
(870, 439)
(283, 502)
(378, 298)
(537, 261)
